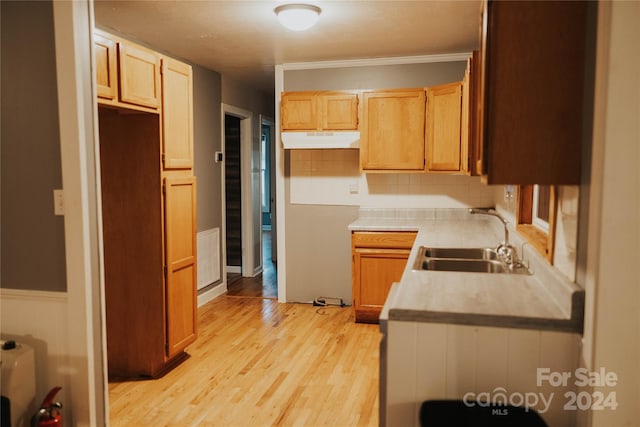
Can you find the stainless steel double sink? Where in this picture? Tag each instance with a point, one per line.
(472, 260)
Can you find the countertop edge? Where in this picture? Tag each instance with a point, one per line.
(476, 319)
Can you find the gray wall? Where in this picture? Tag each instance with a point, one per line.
(207, 140)
(32, 238)
(375, 77)
(318, 242)
(258, 103)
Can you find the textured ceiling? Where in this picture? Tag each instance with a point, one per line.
(243, 39)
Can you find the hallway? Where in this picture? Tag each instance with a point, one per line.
(264, 285)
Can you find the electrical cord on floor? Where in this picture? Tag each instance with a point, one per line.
(325, 301)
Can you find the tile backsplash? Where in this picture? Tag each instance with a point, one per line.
(332, 177)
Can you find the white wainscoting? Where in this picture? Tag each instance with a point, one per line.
(39, 319)
(208, 257)
(440, 361)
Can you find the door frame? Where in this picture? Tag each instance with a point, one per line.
(80, 159)
(268, 121)
(246, 138)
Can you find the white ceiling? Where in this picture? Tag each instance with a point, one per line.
(243, 39)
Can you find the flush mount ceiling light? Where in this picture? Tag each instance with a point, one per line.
(298, 17)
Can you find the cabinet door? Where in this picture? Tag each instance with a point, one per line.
(339, 111)
(444, 106)
(392, 132)
(180, 253)
(379, 259)
(177, 114)
(106, 67)
(374, 272)
(534, 102)
(299, 111)
(139, 76)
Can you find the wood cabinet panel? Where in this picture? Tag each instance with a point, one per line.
(379, 268)
(465, 124)
(132, 236)
(534, 67)
(386, 239)
(180, 252)
(379, 260)
(324, 110)
(105, 51)
(139, 76)
(476, 114)
(339, 111)
(177, 114)
(444, 109)
(299, 111)
(392, 131)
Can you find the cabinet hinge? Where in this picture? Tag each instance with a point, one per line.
(164, 188)
(164, 158)
(165, 270)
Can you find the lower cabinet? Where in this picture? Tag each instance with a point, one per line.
(379, 259)
(149, 241)
(180, 262)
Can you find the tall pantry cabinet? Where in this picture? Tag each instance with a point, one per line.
(148, 206)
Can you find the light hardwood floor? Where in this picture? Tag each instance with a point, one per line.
(260, 363)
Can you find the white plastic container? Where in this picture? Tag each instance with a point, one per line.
(18, 381)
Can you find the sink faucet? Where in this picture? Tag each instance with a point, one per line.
(505, 250)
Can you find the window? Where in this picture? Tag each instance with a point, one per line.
(537, 216)
(540, 207)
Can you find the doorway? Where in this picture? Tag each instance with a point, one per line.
(261, 186)
(233, 196)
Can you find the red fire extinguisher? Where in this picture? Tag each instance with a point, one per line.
(49, 414)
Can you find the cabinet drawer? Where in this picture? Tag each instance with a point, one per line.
(384, 239)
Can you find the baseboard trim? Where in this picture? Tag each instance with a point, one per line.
(211, 294)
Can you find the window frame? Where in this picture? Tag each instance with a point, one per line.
(543, 241)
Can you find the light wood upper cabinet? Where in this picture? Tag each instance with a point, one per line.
(106, 67)
(392, 130)
(177, 114)
(444, 109)
(180, 252)
(299, 111)
(127, 75)
(326, 110)
(379, 260)
(139, 76)
(339, 111)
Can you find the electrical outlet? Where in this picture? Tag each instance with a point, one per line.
(353, 188)
(58, 202)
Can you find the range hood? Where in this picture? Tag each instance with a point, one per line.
(315, 140)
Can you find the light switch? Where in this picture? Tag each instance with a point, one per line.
(58, 202)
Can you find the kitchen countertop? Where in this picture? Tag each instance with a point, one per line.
(546, 300)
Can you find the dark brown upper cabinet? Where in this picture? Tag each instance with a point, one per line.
(529, 108)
